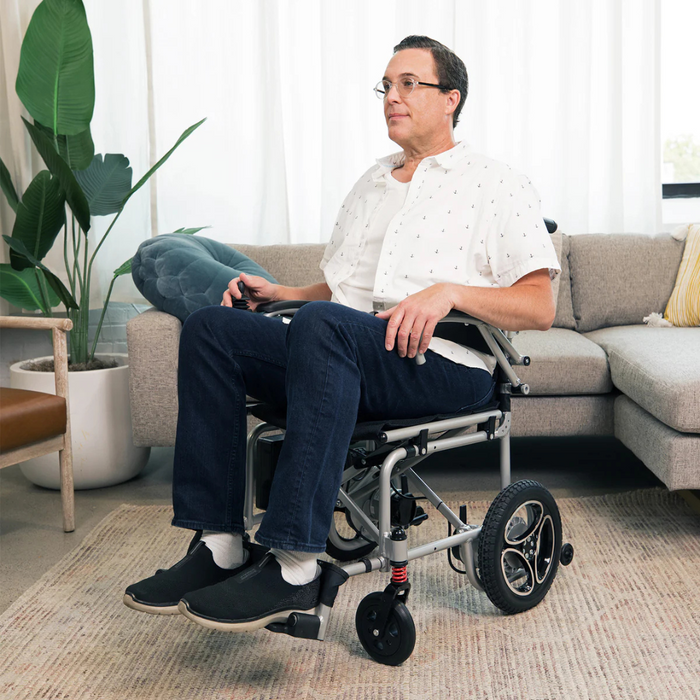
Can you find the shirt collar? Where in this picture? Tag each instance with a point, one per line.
(446, 159)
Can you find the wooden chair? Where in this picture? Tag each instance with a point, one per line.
(33, 423)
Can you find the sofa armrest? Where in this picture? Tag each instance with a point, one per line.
(153, 339)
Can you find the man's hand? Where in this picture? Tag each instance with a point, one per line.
(258, 289)
(416, 314)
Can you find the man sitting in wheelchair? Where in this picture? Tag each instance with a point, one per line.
(432, 230)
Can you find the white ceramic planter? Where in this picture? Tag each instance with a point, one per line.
(100, 414)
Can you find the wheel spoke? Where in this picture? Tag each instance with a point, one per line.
(544, 555)
(512, 560)
(524, 522)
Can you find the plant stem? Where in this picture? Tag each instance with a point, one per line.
(88, 267)
(84, 308)
(44, 296)
(65, 259)
(104, 311)
(76, 257)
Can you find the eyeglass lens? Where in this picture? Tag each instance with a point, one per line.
(404, 86)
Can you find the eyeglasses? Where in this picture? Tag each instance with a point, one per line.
(405, 87)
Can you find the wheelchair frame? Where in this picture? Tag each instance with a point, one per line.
(416, 443)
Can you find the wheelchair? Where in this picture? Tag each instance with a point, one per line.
(513, 556)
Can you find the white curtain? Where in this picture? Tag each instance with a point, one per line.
(567, 92)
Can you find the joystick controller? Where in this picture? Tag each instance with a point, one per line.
(241, 303)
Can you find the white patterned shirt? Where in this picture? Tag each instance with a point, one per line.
(467, 219)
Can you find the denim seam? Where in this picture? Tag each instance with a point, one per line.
(233, 448)
(286, 542)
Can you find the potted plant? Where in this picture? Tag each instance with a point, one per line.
(55, 82)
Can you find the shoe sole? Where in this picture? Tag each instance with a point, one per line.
(150, 609)
(248, 626)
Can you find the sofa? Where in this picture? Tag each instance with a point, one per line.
(598, 371)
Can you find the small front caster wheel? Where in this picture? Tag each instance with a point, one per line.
(519, 546)
(395, 644)
(567, 554)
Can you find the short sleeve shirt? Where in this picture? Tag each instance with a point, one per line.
(466, 219)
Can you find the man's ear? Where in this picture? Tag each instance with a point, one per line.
(453, 99)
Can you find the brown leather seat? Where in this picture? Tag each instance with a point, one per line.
(29, 416)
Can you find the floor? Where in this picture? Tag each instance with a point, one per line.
(32, 540)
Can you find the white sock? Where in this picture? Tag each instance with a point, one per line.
(298, 568)
(226, 548)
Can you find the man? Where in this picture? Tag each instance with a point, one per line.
(433, 228)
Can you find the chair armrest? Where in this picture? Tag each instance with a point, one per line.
(62, 324)
(58, 328)
(494, 337)
(280, 308)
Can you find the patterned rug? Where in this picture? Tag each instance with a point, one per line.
(623, 621)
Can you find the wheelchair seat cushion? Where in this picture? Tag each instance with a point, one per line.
(369, 430)
(180, 273)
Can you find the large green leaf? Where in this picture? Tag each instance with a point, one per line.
(56, 80)
(59, 168)
(106, 183)
(123, 269)
(191, 231)
(7, 187)
(21, 289)
(40, 216)
(76, 150)
(145, 178)
(63, 294)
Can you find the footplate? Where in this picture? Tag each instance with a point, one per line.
(313, 626)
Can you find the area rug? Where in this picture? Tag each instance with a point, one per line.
(623, 621)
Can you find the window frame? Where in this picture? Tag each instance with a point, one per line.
(678, 190)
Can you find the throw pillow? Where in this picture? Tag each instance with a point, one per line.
(683, 308)
(179, 273)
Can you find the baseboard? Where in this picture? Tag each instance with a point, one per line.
(692, 498)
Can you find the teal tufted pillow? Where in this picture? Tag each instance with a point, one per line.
(180, 273)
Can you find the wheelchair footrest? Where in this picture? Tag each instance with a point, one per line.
(308, 626)
(298, 625)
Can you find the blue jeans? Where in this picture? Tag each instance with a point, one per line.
(328, 368)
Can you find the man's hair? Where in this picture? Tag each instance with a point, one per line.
(451, 71)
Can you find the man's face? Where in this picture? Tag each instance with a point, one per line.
(421, 115)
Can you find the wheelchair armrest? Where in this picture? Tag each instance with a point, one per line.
(494, 337)
(279, 308)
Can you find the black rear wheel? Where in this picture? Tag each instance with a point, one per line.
(519, 546)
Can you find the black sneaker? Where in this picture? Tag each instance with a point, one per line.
(250, 600)
(159, 594)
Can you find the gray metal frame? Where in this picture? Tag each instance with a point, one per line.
(446, 435)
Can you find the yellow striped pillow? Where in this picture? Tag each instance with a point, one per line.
(683, 308)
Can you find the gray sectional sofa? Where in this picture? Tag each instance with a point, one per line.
(598, 371)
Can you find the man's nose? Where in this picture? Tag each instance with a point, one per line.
(392, 94)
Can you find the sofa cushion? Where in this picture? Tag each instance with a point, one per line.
(563, 363)
(294, 265)
(619, 279)
(179, 273)
(658, 368)
(565, 311)
(683, 308)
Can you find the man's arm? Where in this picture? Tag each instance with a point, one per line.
(314, 292)
(526, 305)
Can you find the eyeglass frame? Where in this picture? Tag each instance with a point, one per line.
(383, 96)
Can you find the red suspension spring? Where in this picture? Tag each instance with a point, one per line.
(399, 574)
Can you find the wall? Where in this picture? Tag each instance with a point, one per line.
(20, 344)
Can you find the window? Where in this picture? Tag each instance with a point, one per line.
(680, 99)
